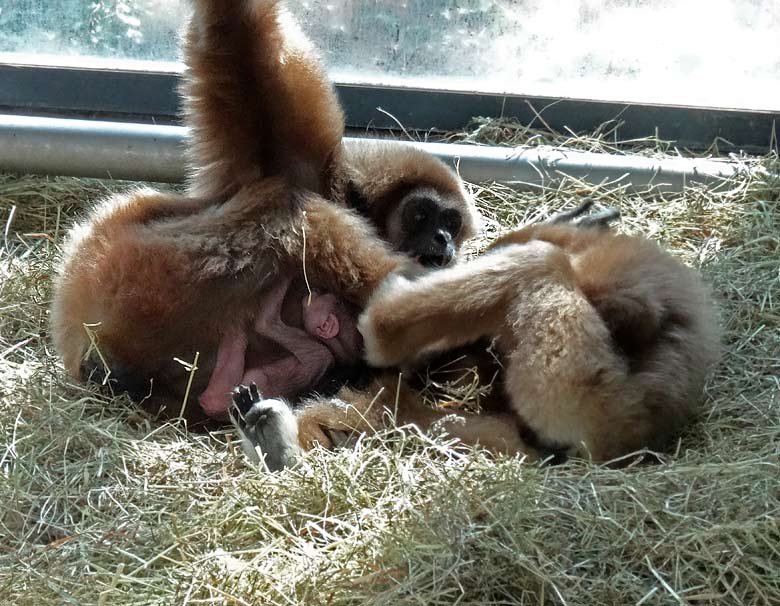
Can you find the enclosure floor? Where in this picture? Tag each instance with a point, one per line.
(99, 504)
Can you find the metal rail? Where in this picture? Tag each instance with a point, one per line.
(117, 150)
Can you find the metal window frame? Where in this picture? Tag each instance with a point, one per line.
(151, 98)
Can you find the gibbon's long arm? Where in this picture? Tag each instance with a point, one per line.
(451, 307)
(257, 99)
(304, 230)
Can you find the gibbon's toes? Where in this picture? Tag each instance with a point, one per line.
(268, 428)
(600, 219)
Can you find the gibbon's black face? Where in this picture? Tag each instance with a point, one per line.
(429, 230)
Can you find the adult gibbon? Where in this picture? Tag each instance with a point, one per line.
(150, 280)
(602, 342)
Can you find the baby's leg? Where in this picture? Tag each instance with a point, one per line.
(228, 372)
(289, 376)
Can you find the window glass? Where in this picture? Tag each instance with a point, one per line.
(128, 29)
(721, 53)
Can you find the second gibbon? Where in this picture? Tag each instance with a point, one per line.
(602, 343)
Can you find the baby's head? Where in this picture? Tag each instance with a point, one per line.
(328, 319)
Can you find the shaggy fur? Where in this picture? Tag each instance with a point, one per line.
(150, 277)
(603, 344)
(605, 339)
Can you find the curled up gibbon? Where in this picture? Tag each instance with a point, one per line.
(601, 343)
(258, 273)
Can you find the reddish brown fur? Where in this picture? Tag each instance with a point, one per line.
(171, 287)
(605, 341)
(390, 398)
(257, 99)
(162, 276)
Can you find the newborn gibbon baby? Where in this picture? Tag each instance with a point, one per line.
(150, 280)
(602, 342)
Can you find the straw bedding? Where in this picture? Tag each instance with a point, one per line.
(99, 504)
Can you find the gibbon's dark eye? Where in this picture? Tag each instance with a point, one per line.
(417, 213)
(451, 220)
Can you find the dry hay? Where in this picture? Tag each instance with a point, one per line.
(101, 506)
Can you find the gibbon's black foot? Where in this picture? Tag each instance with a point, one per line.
(268, 428)
(244, 397)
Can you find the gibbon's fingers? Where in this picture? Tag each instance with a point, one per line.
(452, 307)
(600, 219)
(258, 100)
(570, 215)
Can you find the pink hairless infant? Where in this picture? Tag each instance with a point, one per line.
(328, 335)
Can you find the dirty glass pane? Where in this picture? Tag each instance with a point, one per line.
(721, 53)
(133, 29)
